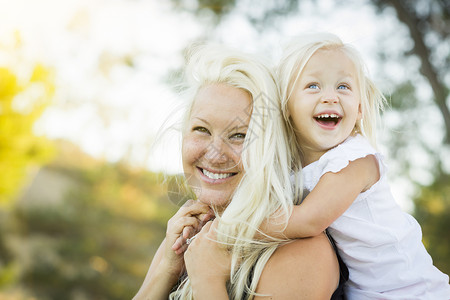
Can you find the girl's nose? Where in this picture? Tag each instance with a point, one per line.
(329, 96)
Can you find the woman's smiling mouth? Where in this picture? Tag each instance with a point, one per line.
(215, 176)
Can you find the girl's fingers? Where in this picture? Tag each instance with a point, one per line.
(188, 231)
(181, 249)
(178, 243)
(188, 221)
(206, 217)
(177, 226)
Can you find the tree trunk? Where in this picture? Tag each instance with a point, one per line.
(409, 18)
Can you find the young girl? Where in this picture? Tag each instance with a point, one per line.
(332, 107)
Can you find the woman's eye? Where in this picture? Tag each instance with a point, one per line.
(238, 136)
(200, 129)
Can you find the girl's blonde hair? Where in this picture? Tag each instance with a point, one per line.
(294, 59)
(265, 188)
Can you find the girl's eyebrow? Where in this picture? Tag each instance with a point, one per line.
(348, 78)
(311, 75)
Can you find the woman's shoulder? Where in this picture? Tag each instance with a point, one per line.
(302, 269)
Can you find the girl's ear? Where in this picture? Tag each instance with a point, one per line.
(360, 114)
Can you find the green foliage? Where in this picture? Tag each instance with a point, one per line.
(218, 7)
(404, 97)
(432, 210)
(21, 104)
(96, 241)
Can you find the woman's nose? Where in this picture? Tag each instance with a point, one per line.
(217, 151)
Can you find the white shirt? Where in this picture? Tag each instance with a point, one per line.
(380, 244)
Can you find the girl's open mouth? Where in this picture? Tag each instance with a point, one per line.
(328, 120)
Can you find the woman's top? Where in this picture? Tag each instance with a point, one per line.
(339, 293)
(380, 244)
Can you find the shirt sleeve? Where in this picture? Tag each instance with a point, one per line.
(339, 157)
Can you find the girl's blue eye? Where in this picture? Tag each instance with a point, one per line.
(343, 87)
(313, 86)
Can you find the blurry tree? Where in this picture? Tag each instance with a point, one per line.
(22, 102)
(23, 98)
(428, 25)
(214, 9)
(432, 209)
(94, 238)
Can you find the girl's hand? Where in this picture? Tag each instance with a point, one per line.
(180, 244)
(207, 261)
(183, 224)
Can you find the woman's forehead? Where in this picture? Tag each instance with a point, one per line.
(221, 101)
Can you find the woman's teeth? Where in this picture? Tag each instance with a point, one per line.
(215, 175)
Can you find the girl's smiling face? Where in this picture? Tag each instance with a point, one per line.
(213, 142)
(325, 103)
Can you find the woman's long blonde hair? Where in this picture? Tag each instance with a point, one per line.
(266, 187)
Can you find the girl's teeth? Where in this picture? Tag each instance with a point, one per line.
(215, 175)
(328, 116)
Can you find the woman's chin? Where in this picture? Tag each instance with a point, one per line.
(214, 199)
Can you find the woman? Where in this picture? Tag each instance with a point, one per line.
(236, 159)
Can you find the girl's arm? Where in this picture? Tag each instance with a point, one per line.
(332, 196)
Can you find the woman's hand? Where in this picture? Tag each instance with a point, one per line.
(208, 263)
(184, 224)
(167, 265)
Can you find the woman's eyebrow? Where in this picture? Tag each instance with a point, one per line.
(237, 128)
(203, 120)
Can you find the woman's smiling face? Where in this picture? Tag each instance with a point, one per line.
(213, 142)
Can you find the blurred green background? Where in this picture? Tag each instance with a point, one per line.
(81, 223)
